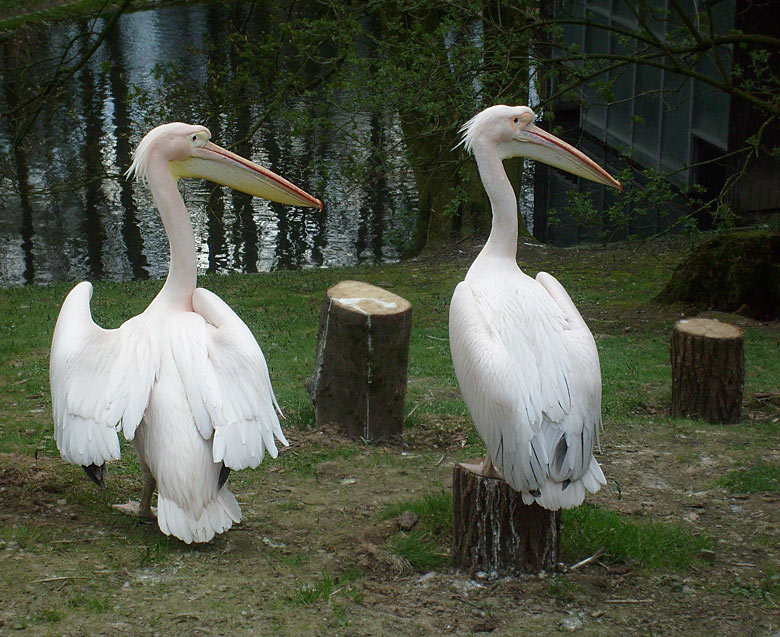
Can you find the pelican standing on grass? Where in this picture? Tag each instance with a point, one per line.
(526, 363)
(185, 380)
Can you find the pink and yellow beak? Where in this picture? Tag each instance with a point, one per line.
(540, 145)
(224, 167)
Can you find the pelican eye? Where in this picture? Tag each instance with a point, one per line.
(194, 137)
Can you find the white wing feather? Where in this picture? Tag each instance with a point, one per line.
(528, 370)
(227, 383)
(100, 380)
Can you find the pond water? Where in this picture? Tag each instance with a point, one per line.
(68, 213)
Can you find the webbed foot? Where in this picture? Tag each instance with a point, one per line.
(134, 508)
(486, 469)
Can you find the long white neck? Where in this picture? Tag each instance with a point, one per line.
(182, 275)
(502, 242)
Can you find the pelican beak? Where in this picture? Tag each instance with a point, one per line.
(546, 147)
(219, 165)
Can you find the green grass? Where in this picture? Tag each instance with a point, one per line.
(305, 461)
(18, 13)
(420, 549)
(761, 477)
(325, 587)
(95, 604)
(434, 510)
(563, 589)
(319, 591)
(425, 546)
(765, 587)
(282, 309)
(647, 544)
(26, 536)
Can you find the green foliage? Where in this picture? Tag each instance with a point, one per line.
(388, 83)
(762, 477)
(648, 201)
(649, 544)
(341, 74)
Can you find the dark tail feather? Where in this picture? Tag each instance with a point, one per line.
(224, 472)
(97, 473)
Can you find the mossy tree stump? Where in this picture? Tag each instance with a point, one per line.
(494, 531)
(730, 272)
(708, 370)
(359, 379)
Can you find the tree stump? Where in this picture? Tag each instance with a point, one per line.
(359, 379)
(495, 532)
(708, 370)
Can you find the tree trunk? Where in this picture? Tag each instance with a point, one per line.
(493, 531)
(708, 370)
(359, 379)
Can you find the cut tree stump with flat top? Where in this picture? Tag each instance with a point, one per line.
(708, 370)
(359, 379)
(493, 531)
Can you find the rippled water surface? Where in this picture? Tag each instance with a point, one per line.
(66, 211)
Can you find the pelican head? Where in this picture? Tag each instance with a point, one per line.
(190, 153)
(513, 132)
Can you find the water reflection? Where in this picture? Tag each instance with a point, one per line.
(66, 211)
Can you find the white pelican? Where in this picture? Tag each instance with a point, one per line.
(526, 363)
(185, 380)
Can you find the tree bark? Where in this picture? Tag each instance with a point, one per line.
(359, 379)
(493, 531)
(708, 370)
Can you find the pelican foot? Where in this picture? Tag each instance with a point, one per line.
(133, 507)
(486, 469)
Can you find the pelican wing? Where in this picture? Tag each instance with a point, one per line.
(100, 380)
(228, 386)
(580, 429)
(529, 380)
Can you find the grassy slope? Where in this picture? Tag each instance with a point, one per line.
(19, 13)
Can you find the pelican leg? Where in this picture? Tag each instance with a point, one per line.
(150, 484)
(144, 508)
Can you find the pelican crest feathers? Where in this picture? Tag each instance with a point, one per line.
(471, 129)
(143, 151)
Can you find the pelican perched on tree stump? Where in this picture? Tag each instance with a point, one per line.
(526, 362)
(185, 380)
